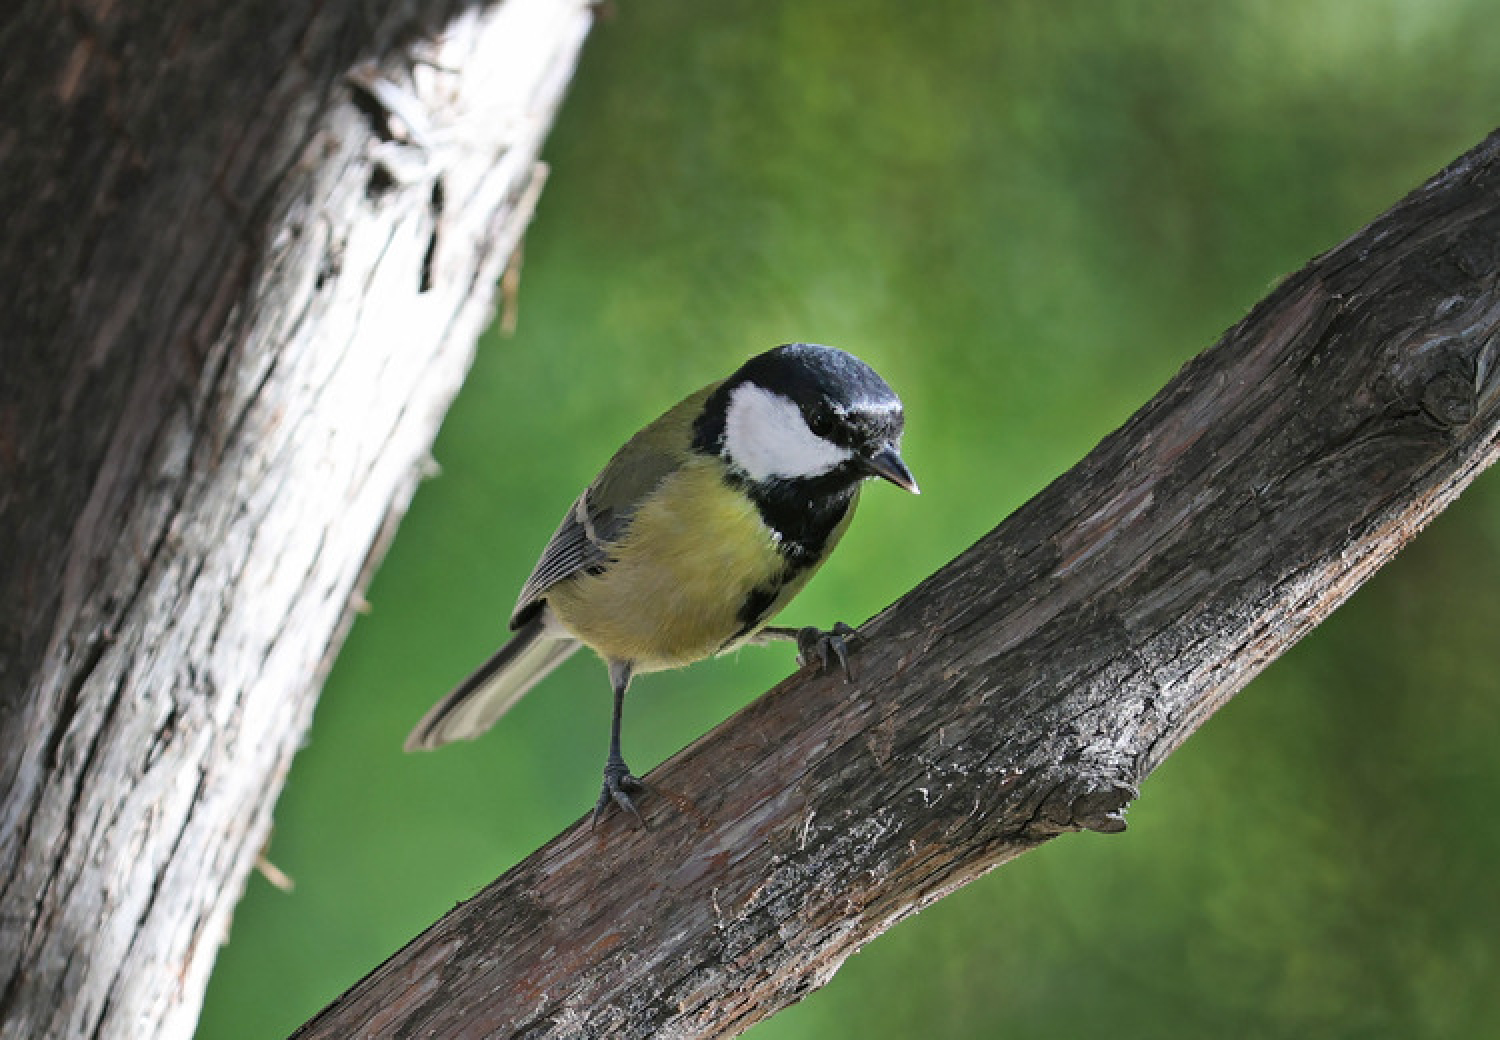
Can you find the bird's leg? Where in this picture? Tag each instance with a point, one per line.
(817, 645)
(618, 781)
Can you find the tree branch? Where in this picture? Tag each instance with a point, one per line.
(249, 249)
(1024, 690)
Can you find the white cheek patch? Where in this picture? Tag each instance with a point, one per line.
(766, 436)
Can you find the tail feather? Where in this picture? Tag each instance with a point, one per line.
(479, 701)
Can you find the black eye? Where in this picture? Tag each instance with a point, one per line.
(821, 420)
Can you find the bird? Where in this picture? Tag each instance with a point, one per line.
(693, 536)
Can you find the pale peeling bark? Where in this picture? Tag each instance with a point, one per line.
(1025, 689)
(236, 297)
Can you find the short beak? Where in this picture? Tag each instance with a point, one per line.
(887, 463)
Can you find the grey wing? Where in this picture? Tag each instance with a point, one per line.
(603, 513)
(580, 543)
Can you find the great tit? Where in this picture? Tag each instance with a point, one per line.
(695, 534)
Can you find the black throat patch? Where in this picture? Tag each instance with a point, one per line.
(803, 513)
(804, 516)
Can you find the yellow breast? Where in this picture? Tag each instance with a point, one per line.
(676, 582)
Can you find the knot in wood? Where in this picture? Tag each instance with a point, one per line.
(1449, 400)
(1102, 808)
(1090, 801)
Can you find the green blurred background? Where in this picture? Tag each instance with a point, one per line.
(1026, 215)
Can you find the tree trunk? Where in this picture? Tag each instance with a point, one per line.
(248, 251)
(1024, 690)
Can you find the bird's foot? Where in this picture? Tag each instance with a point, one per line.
(619, 784)
(820, 647)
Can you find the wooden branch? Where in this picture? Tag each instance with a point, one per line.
(1025, 689)
(249, 248)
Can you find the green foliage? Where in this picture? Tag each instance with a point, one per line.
(1026, 215)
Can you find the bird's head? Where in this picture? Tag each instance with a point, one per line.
(803, 412)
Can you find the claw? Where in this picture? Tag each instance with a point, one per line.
(828, 645)
(618, 784)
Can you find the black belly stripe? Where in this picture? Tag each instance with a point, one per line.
(754, 609)
(804, 516)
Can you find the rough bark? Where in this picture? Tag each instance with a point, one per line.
(1024, 690)
(236, 295)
